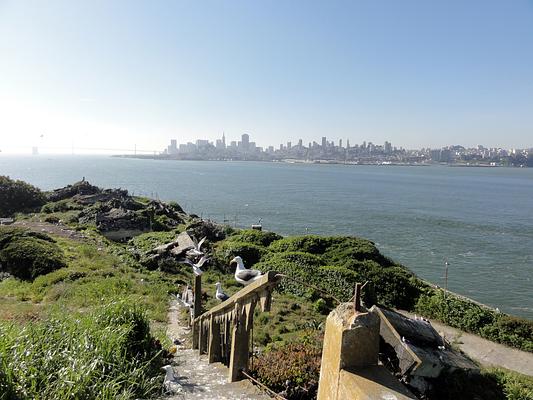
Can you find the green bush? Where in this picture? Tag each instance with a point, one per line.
(106, 354)
(471, 317)
(515, 386)
(260, 238)
(336, 249)
(18, 196)
(313, 244)
(227, 250)
(297, 364)
(26, 255)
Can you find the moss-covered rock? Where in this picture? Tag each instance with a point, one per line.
(26, 255)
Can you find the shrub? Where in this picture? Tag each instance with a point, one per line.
(27, 255)
(313, 244)
(297, 364)
(18, 196)
(260, 238)
(471, 317)
(249, 252)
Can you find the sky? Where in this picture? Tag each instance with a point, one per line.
(112, 74)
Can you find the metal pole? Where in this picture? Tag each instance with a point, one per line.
(446, 278)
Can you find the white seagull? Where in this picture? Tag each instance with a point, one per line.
(242, 275)
(197, 268)
(170, 386)
(197, 250)
(220, 295)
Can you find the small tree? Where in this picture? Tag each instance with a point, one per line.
(17, 196)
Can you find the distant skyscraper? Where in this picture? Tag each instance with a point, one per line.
(289, 145)
(324, 142)
(245, 141)
(223, 140)
(300, 143)
(340, 142)
(347, 143)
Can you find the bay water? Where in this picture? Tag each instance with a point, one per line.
(478, 219)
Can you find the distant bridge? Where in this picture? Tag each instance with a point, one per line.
(74, 149)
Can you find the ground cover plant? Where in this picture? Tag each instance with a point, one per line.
(93, 328)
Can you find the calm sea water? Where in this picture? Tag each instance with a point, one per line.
(480, 219)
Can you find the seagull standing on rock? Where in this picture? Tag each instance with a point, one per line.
(242, 275)
(197, 268)
(220, 295)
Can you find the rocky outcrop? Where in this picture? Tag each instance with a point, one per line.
(116, 214)
(79, 188)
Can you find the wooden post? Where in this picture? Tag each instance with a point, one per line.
(204, 333)
(214, 348)
(357, 298)
(239, 346)
(195, 334)
(197, 296)
(227, 342)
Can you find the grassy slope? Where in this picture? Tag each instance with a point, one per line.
(84, 324)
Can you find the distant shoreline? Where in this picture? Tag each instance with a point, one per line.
(324, 162)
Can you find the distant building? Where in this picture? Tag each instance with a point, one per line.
(340, 142)
(324, 142)
(289, 145)
(173, 148)
(245, 141)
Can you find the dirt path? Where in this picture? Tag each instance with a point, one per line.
(199, 379)
(53, 229)
(484, 351)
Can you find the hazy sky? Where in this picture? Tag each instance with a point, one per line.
(112, 74)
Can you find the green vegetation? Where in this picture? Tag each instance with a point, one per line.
(26, 255)
(297, 368)
(79, 317)
(471, 317)
(493, 383)
(108, 353)
(84, 330)
(18, 196)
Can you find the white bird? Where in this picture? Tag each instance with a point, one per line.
(170, 386)
(220, 295)
(242, 275)
(197, 250)
(197, 268)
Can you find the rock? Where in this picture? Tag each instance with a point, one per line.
(79, 188)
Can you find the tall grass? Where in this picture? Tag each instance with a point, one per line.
(106, 354)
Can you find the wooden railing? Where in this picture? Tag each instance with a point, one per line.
(223, 332)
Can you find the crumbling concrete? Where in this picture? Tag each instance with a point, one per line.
(349, 368)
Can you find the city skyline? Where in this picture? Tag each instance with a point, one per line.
(329, 151)
(100, 74)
